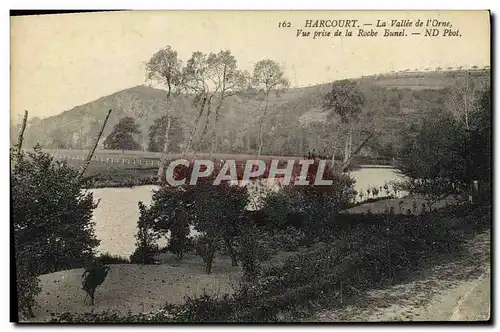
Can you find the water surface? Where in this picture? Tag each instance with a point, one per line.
(117, 214)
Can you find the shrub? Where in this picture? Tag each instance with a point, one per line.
(146, 247)
(52, 221)
(248, 253)
(205, 247)
(179, 242)
(309, 208)
(289, 240)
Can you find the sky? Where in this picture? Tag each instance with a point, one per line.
(61, 61)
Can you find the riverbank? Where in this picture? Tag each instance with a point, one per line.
(443, 269)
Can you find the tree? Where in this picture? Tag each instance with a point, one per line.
(218, 213)
(59, 139)
(198, 75)
(228, 81)
(52, 222)
(145, 245)
(121, 137)
(164, 68)
(156, 138)
(167, 214)
(267, 77)
(445, 155)
(462, 99)
(346, 100)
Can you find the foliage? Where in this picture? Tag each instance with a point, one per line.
(205, 247)
(345, 99)
(309, 207)
(52, 221)
(289, 239)
(217, 212)
(179, 241)
(164, 68)
(146, 247)
(268, 76)
(156, 138)
(248, 253)
(121, 137)
(445, 156)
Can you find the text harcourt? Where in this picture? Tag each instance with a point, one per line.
(330, 23)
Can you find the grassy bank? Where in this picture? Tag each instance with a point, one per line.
(358, 253)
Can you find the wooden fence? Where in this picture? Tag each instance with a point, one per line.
(110, 160)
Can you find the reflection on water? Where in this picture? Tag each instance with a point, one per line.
(117, 214)
(116, 217)
(368, 178)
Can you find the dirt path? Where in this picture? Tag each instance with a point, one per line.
(457, 291)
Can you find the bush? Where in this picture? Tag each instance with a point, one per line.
(446, 154)
(205, 247)
(179, 242)
(146, 247)
(52, 221)
(289, 240)
(309, 208)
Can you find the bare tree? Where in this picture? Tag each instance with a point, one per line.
(228, 81)
(164, 68)
(462, 99)
(197, 78)
(268, 77)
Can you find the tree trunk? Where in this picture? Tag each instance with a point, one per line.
(346, 163)
(214, 130)
(21, 135)
(205, 128)
(92, 151)
(261, 126)
(161, 167)
(163, 163)
(230, 249)
(210, 260)
(195, 128)
(346, 150)
(350, 139)
(333, 158)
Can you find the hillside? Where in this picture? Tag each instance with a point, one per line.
(296, 121)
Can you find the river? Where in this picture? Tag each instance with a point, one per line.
(117, 214)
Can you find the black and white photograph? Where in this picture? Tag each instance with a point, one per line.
(251, 166)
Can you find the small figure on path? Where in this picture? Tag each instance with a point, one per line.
(93, 276)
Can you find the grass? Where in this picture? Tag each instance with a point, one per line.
(366, 254)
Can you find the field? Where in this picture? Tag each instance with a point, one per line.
(114, 168)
